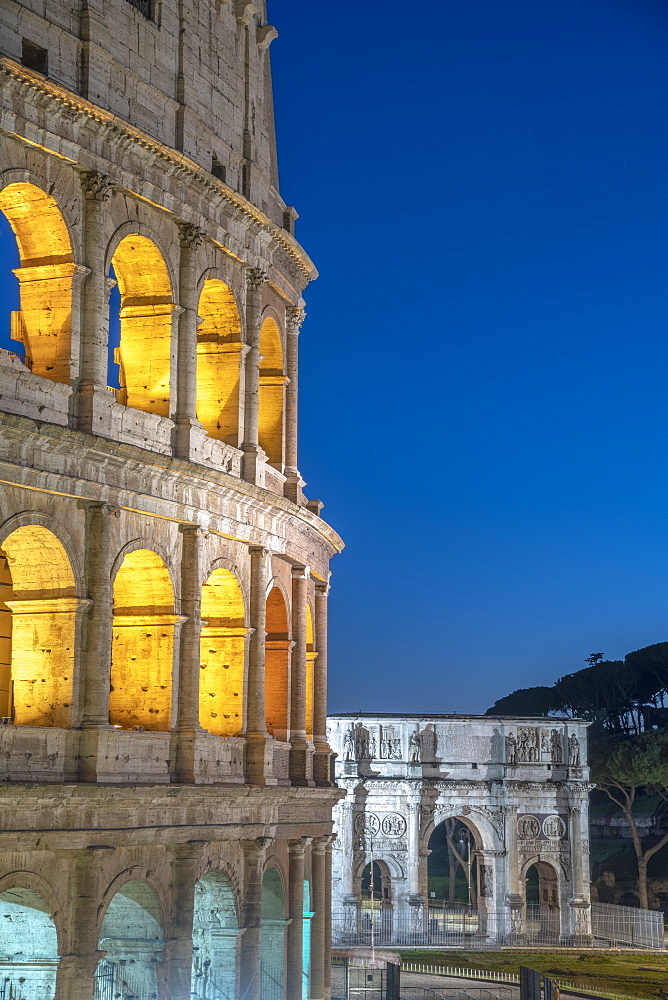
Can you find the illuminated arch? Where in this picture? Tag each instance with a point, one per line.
(146, 314)
(219, 347)
(277, 666)
(215, 937)
(46, 274)
(272, 940)
(32, 946)
(454, 842)
(38, 618)
(143, 643)
(222, 655)
(311, 656)
(133, 938)
(272, 393)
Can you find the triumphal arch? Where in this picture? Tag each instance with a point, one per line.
(506, 799)
(165, 791)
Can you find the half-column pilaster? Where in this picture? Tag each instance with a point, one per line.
(323, 752)
(250, 955)
(255, 280)
(187, 726)
(294, 317)
(301, 753)
(190, 237)
(259, 748)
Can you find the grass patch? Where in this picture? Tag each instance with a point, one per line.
(636, 975)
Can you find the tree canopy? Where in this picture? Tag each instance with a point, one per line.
(622, 696)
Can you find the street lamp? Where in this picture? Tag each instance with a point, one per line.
(465, 836)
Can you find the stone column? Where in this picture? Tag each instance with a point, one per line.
(76, 972)
(294, 317)
(96, 661)
(416, 859)
(259, 749)
(93, 358)
(190, 237)
(186, 861)
(187, 726)
(295, 955)
(251, 949)
(579, 901)
(328, 918)
(323, 753)
(255, 279)
(514, 894)
(301, 757)
(320, 939)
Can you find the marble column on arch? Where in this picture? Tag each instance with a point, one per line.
(294, 317)
(251, 949)
(301, 752)
(323, 753)
(252, 453)
(94, 320)
(187, 715)
(187, 425)
(97, 634)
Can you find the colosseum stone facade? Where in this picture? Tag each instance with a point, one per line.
(166, 801)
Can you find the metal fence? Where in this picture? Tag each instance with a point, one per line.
(462, 928)
(627, 926)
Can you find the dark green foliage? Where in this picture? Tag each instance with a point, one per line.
(526, 701)
(618, 696)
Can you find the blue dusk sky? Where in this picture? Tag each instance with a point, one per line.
(484, 188)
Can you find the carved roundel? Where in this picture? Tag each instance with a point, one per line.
(394, 825)
(528, 828)
(367, 824)
(554, 827)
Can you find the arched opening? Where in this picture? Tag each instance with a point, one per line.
(42, 327)
(543, 921)
(133, 939)
(272, 938)
(219, 346)
(38, 617)
(142, 653)
(272, 393)
(145, 350)
(222, 655)
(311, 656)
(28, 945)
(306, 942)
(452, 865)
(215, 936)
(277, 666)
(376, 895)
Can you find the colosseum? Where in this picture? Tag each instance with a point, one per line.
(166, 796)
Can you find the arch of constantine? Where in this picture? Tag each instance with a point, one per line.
(510, 797)
(165, 793)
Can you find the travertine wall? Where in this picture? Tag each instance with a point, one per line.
(166, 792)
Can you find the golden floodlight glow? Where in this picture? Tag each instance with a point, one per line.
(277, 666)
(146, 324)
(45, 276)
(40, 594)
(221, 682)
(272, 393)
(143, 643)
(219, 347)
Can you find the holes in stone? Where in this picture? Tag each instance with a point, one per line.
(34, 57)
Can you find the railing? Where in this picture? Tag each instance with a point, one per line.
(627, 925)
(25, 361)
(114, 983)
(485, 975)
(271, 982)
(484, 929)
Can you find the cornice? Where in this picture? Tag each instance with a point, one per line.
(73, 104)
(107, 452)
